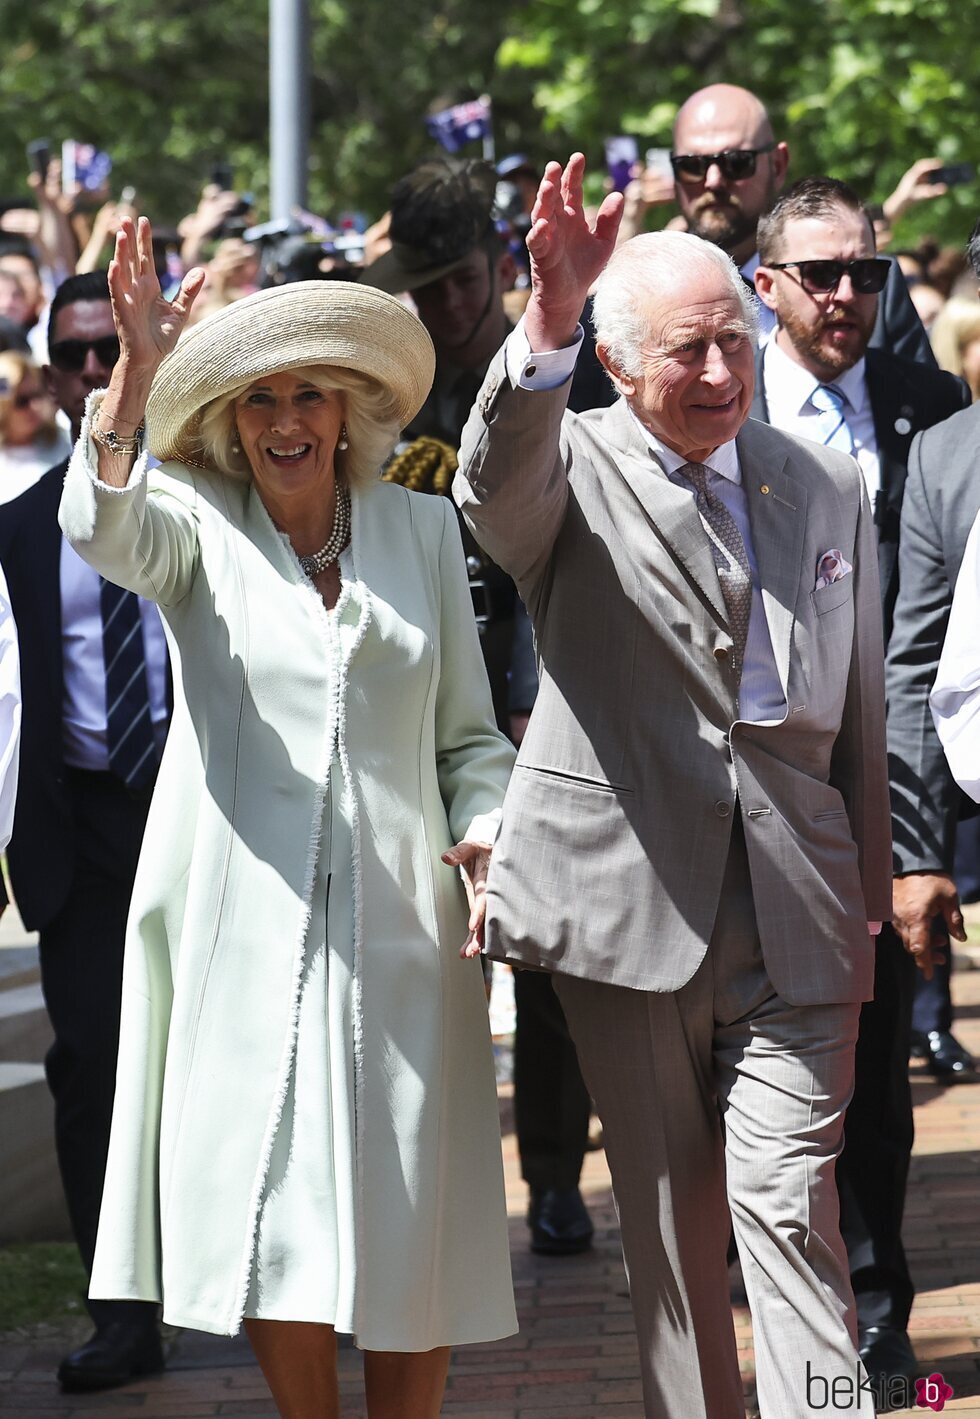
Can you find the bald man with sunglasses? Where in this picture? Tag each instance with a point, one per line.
(729, 166)
(816, 377)
(78, 821)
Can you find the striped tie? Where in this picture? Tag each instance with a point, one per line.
(832, 429)
(129, 728)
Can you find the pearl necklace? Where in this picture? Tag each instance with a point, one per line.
(318, 562)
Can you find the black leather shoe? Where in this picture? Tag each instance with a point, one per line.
(891, 1366)
(945, 1057)
(559, 1221)
(117, 1353)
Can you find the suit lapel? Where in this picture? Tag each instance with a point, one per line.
(45, 574)
(669, 509)
(896, 421)
(777, 515)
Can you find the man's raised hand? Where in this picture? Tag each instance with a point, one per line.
(567, 254)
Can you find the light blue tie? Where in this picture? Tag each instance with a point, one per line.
(832, 430)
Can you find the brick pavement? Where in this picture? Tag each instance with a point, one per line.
(575, 1355)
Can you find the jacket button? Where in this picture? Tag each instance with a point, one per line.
(722, 808)
(721, 652)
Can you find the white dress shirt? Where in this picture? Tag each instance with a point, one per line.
(788, 388)
(84, 707)
(9, 714)
(955, 698)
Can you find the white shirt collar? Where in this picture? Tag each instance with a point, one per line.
(796, 384)
(724, 459)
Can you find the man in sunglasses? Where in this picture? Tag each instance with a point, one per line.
(728, 167)
(81, 809)
(818, 378)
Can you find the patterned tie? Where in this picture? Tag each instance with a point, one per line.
(832, 428)
(129, 728)
(728, 551)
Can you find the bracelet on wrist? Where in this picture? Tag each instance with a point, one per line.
(118, 443)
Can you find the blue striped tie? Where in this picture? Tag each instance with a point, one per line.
(129, 728)
(832, 428)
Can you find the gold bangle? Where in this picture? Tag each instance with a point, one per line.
(122, 446)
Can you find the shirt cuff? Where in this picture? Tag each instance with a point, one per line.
(483, 829)
(874, 928)
(540, 370)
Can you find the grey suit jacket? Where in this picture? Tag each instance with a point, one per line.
(618, 817)
(942, 498)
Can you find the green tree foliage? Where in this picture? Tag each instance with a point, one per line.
(859, 87)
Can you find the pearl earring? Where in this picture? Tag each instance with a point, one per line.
(343, 442)
(235, 445)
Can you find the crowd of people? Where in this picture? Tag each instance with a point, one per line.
(304, 531)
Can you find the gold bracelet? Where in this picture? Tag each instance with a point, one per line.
(124, 447)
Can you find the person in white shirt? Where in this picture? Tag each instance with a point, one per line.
(31, 440)
(820, 278)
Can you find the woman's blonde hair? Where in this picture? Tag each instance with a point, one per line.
(369, 413)
(955, 327)
(14, 368)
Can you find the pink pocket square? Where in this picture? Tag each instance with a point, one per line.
(831, 567)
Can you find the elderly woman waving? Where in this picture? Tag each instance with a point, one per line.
(305, 1133)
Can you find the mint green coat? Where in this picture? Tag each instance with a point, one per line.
(221, 904)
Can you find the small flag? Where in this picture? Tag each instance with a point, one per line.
(462, 124)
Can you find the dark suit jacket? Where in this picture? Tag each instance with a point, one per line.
(942, 498)
(898, 328)
(906, 398)
(41, 853)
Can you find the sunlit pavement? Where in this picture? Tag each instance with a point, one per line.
(575, 1355)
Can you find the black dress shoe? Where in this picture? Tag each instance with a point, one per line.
(945, 1057)
(559, 1221)
(891, 1366)
(117, 1353)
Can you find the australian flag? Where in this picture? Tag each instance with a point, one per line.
(462, 124)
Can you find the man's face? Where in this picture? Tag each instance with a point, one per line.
(698, 369)
(454, 308)
(719, 209)
(85, 321)
(826, 332)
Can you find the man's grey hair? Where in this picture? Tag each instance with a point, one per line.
(648, 266)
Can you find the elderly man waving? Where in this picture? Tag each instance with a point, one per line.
(696, 836)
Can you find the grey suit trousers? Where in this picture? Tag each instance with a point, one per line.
(660, 1067)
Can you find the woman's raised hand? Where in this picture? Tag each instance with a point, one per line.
(148, 325)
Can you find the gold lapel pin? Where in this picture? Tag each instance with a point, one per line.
(764, 488)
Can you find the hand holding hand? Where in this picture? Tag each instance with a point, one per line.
(567, 254)
(474, 860)
(148, 325)
(917, 899)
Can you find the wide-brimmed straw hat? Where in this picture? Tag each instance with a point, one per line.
(285, 328)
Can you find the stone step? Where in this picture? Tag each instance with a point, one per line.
(25, 1030)
(32, 1208)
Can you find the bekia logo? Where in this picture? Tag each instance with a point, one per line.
(854, 1393)
(932, 1393)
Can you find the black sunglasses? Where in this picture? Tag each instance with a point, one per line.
(69, 356)
(734, 164)
(868, 274)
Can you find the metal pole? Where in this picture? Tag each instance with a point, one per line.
(289, 105)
